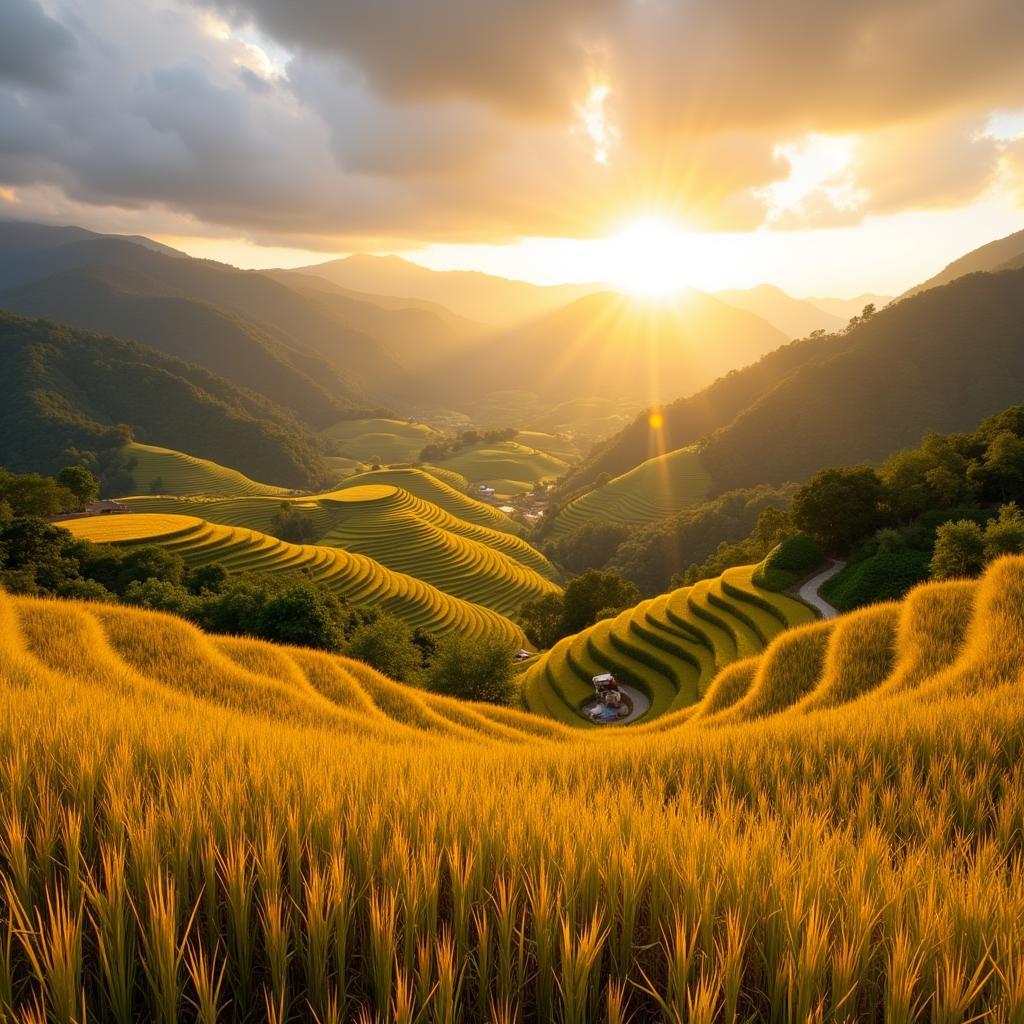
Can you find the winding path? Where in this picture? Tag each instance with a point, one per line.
(809, 590)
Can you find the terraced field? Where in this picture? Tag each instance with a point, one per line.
(380, 441)
(561, 447)
(410, 535)
(429, 487)
(405, 533)
(178, 473)
(507, 466)
(671, 647)
(653, 490)
(356, 578)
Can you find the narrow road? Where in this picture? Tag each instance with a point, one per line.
(809, 591)
(640, 702)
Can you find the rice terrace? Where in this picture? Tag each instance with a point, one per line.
(511, 513)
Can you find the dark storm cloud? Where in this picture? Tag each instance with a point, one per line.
(35, 50)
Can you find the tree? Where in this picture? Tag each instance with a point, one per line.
(303, 614)
(541, 619)
(81, 483)
(588, 594)
(959, 550)
(1005, 535)
(839, 507)
(30, 494)
(590, 546)
(473, 668)
(292, 526)
(148, 562)
(387, 645)
(1002, 469)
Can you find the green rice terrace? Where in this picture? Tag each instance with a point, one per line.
(401, 531)
(174, 472)
(669, 647)
(510, 467)
(380, 441)
(659, 487)
(358, 579)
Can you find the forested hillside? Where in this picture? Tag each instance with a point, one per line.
(62, 388)
(941, 360)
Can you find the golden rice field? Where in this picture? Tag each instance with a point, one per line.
(358, 579)
(202, 828)
(178, 473)
(670, 647)
(659, 487)
(402, 532)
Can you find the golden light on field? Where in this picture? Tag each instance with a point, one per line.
(649, 257)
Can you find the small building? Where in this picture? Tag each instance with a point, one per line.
(507, 509)
(106, 507)
(522, 654)
(484, 489)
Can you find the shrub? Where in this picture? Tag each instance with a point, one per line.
(473, 668)
(788, 562)
(885, 576)
(387, 644)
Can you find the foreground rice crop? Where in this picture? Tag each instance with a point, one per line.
(202, 828)
(356, 578)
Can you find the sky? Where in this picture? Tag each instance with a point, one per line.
(832, 147)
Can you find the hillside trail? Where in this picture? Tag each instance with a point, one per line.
(809, 591)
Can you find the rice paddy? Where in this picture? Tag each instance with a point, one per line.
(358, 579)
(400, 531)
(202, 828)
(166, 471)
(380, 441)
(671, 647)
(657, 488)
(510, 467)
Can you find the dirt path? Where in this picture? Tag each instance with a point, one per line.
(809, 590)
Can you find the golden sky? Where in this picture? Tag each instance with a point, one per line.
(829, 146)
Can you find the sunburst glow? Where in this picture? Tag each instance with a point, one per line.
(650, 257)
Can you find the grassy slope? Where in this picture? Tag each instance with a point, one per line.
(356, 578)
(181, 807)
(510, 467)
(380, 441)
(183, 474)
(656, 488)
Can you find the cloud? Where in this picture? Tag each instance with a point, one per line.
(336, 122)
(35, 50)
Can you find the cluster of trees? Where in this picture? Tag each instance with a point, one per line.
(42, 559)
(678, 547)
(292, 526)
(587, 599)
(941, 510)
(438, 451)
(29, 494)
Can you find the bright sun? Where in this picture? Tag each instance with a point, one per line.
(649, 257)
